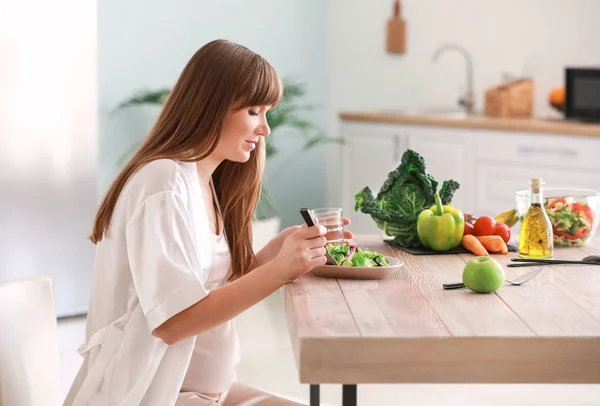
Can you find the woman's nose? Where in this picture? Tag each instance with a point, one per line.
(264, 130)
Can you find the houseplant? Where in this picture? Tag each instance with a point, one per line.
(288, 113)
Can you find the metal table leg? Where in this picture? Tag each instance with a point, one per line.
(349, 395)
(315, 395)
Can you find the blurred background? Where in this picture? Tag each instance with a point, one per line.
(70, 68)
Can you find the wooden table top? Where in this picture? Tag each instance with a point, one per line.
(407, 329)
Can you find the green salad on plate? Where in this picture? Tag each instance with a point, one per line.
(352, 255)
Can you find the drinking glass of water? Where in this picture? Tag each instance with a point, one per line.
(330, 218)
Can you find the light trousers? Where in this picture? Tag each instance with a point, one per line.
(237, 395)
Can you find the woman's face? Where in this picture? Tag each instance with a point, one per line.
(241, 131)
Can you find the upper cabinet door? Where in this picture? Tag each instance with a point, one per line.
(369, 154)
(448, 154)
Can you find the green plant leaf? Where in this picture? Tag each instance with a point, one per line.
(146, 97)
(301, 124)
(318, 140)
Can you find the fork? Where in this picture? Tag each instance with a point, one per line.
(525, 262)
(519, 281)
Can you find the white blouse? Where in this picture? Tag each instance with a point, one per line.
(154, 264)
(217, 351)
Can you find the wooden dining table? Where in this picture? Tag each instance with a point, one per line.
(407, 329)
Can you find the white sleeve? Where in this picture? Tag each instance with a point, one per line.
(163, 258)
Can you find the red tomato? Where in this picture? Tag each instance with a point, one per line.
(582, 232)
(555, 202)
(503, 231)
(469, 229)
(485, 225)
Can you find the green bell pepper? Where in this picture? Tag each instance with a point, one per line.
(441, 227)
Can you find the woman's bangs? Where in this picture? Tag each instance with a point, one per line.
(263, 87)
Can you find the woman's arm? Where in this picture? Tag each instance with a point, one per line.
(222, 304)
(301, 251)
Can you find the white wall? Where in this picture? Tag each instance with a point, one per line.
(146, 44)
(48, 145)
(534, 37)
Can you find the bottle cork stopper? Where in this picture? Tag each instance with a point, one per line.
(536, 184)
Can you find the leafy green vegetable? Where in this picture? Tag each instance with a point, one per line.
(345, 255)
(338, 252)
(337, 249)
(407, 191)
(359, 260)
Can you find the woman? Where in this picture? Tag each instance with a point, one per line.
(174, 254)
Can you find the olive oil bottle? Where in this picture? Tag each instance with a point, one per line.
(536, 238)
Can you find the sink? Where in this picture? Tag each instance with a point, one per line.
(441, 112)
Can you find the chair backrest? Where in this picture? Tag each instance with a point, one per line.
(29, 361)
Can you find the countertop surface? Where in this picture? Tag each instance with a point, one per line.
(532, 125)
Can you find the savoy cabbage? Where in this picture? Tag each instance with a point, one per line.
(407, 191)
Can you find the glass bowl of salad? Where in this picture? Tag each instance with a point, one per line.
(572, 212)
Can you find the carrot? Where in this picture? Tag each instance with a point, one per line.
(471, 243)
(493, 243)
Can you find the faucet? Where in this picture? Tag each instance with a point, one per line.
(467, 100)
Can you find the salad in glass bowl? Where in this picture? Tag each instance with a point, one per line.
(572, 212)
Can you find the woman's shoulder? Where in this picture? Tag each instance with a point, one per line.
(157, 176)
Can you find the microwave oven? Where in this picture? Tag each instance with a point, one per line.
(582, 94)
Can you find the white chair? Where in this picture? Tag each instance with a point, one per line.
(29, 362)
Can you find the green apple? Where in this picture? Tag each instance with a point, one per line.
(483, 275)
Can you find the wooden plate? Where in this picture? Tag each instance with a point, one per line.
(350, 272)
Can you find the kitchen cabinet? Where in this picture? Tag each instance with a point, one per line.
(448, 154)
(539, 150)
(490, 165)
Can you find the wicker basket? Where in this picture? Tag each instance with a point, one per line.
(511, 99)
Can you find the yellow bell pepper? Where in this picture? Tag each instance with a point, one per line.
(441, 227)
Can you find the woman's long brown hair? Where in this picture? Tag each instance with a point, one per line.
(220, 77)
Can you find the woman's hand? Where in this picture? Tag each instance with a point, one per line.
(301, 251)
(270, 251)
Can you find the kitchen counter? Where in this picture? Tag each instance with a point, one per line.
(532, 125)
(408, 329)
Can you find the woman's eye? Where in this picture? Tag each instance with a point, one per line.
(253, 113)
